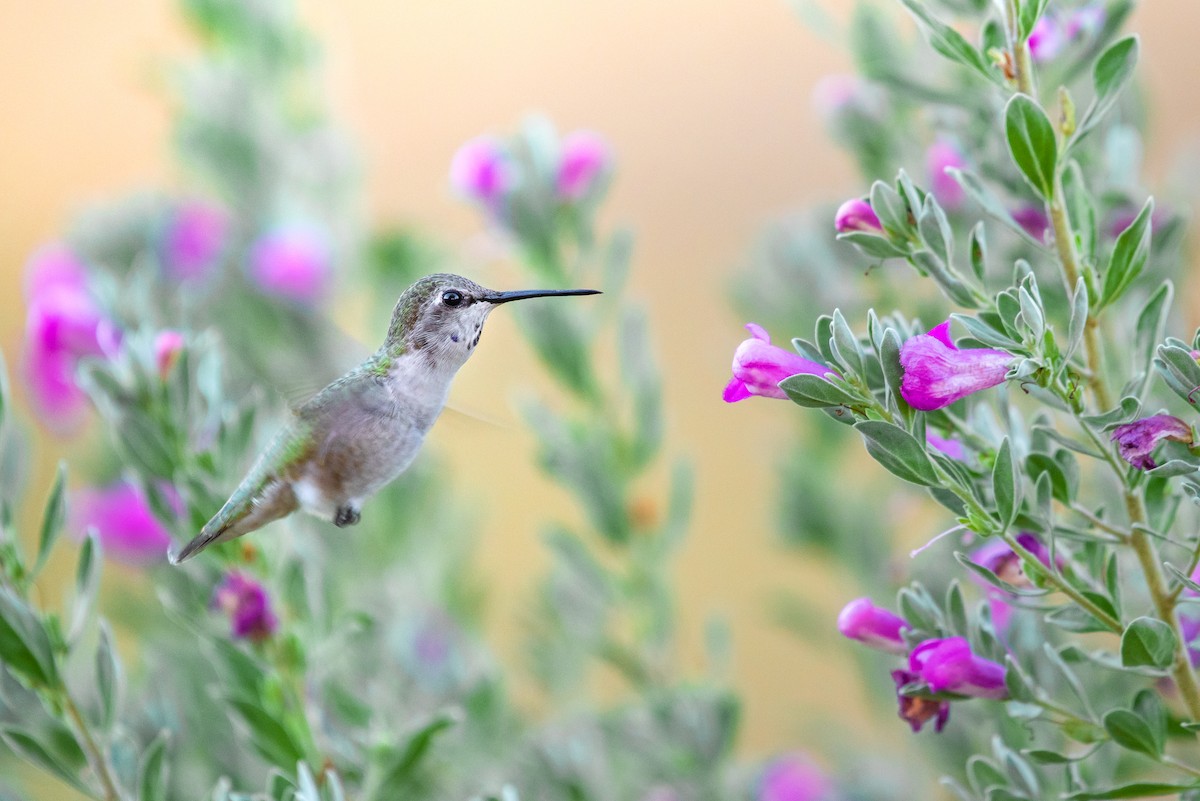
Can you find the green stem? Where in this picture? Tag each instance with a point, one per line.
(1022, 63)
(1108, 621)
(95, 755)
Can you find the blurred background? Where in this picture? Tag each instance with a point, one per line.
(707, 105)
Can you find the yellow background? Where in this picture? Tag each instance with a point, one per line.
(707, 105)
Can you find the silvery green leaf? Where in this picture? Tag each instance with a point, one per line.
(152, 772)
(845, 344)
(1030, 13)
(52, 518)
(267, 734)
(1081, 210)
(951, 44)
(1129, 730)
(63, 759)
(985, 333)
(308, 785)
(935, 231)
(1129, 257)
(814, 392)
(985, 776)
(1079, 318)
(978, 251)
(1123, 412)
(1006, 485)
(1151, 323)
(108, 676)
(1112, 71)
(1148, 642)
(890, 209)
(896, 450)
(24, 644)
(1032, 314)
(1174, 467)
(1179, 370)
(1032, 143)
(1135, 790)
(873, 245)
(990, 203)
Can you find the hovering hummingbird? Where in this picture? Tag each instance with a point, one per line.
(365, 428)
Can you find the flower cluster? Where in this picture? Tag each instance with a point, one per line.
(246, 603)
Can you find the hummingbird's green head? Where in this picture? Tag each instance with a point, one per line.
(442, 316)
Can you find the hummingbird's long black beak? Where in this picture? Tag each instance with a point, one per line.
(522, 294)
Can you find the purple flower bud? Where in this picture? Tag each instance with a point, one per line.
(856, 214)
(1137, 440)
(585, 157)
(759, 366)
(999, 558)
(1047, 39)
(936, 373)
(877, 627)
(122, 519)
(194, 240)
(947, 665)
(919, 711)
(64, 324)
(793, 777)
(940, 155)
(1086, 22)
(293, 261)
(482, 172)
(951, 447)
(167, 347)
(247, 605)
(1032, 218)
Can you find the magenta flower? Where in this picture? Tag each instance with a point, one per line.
(194, 240)
(936, 373)
(1047, 39)
(64, 324)
(1032, 218)
(247, 605)
(793, 777)
(947, 665)
(999, 558)
(1137, 440)
(951, 447)
(126, 527)
(856, 214)
(1086, 22)
(292, 261)
(482, 172)
(585, 157)
(167, 347)
(918, 711)
(877, 627)
(759, 366)
(941, 155)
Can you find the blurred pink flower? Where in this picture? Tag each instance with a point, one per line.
(167, 346)
(292, 261)
(1086, 22)
(794, 777)
(998, 557)
(64, 324)
(937, 373)
(585, 157)
(126, 527)
(949, 446)
(1124, 217)
(247, 605)
(1032, 218)
(872, 625)
(1047, 39)
(940, 155)
(856, 214)
(482, 172)
(759, 366)
(832, 93)
(194, 239)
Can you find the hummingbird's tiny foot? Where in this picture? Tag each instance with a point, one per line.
(346, 516)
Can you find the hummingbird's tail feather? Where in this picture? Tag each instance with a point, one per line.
(240, 516)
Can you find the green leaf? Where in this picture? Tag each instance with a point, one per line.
(950, 43)
(1006, 486)
(846, 345)
(898, 451)
(1031, 11)
(814, 392)
(1138, 790)
(24, 645)
(1112, 71)
(53, 517)
(65, 766)
(1129, 256)
(108, 676)
(1150, 325)
(1128, 730)
(1079, 318)
(990, 203)
(1148, 642)
(267, 734)
(152, 774)
(1043, 757)
(399, 765)
(1032, 144)
(873, 245)
(978, 251)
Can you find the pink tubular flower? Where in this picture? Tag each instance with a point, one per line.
(64, 324)
(951, 447)
(999, 558)
(585, 157)
(247, 605)
(918, 711)
(947, 665)
(1032, 218)
(482, 172)
(293, 261)
(936, 373)
(1137, 440)
(856, 214)
(793, 777)
(126, 527)
(941, 155)
(877, 627)
(167, 347)
(759, 366)
(194, 240)
(1047, 39)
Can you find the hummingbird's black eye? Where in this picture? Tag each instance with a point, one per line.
(452, 298)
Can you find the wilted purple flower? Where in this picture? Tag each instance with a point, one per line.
(167, 347)
(998, 557)
(936, 373)
(916, 710)
(793, 777)
(1047, 39)
(1032, 218)
(951, 447)
(877, 627)
(246, 603)
(293, 261)
(856, 214)
(122, 519)
(1085, 22)
(940, 155)
(194, 239)
(585, 156)
(481, 171)
(759, 366)
(947, 665)
(64, 324)
(1137, 440)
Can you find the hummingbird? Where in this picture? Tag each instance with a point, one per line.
(365, 428)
